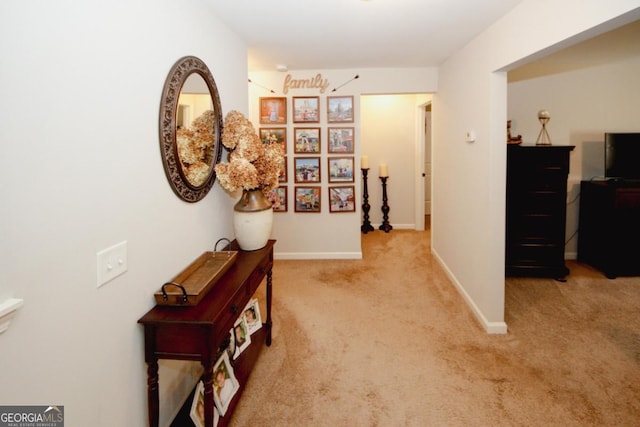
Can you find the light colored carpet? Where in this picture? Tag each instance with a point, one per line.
(388, 341)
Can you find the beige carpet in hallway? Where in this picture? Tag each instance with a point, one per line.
(388, 341)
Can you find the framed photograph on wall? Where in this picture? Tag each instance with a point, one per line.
(306, 140)
(342, 199)
(306, 109)
(283, 170)
(278, 198)
(273, 111)
(307, 199)
(340, 140)
(307, 169)
(225, 383)
(340, 109)
(340, 169)
(274, 135)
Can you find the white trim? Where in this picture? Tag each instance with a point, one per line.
(317, 255)
(8, 309)
(404, 226)
(376, 227)
(490, 327)
(419, 167)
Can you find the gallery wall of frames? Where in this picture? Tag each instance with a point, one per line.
(295, 122)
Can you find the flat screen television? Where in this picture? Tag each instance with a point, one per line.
(622, 156)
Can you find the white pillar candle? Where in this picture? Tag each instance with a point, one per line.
(364, 162)
(384, 172)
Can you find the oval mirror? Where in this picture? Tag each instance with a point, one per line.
(190, 128)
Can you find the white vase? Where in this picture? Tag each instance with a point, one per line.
(252, 220)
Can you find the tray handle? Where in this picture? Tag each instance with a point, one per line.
(165, 297)
(224, 239)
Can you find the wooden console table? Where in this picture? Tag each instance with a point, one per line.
(198, 332)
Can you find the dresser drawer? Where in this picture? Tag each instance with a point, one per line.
(535, 229)
(555, 182)
(536, 201)
(535, 254)
(538, 160)
(258, 274)
(233, 310)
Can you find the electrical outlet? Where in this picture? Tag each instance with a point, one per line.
(112, 262)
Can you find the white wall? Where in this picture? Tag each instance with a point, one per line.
(80, 170)
(584, 104)
(469, 179)
(337, 235)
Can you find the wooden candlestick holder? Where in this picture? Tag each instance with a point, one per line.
(385, 226)
(366, 225)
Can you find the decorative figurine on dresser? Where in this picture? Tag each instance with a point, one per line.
(536, 210)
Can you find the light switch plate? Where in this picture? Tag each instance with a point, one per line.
(471, 136)
(112, 262)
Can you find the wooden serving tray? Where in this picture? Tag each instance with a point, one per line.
(193, 283)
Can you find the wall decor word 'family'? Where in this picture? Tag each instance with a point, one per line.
(316, 82)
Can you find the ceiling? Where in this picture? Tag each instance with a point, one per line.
(616, 45)
(340, 34)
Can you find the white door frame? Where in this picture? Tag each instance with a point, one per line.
(419, 166)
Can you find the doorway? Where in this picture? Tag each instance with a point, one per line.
(423, 166)
(427, 165)
(392, 132)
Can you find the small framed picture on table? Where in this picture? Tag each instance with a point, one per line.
(197, 408)
(225, 384)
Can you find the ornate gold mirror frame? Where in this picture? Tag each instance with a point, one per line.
(190, 150)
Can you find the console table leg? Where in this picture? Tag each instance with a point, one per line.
(207, 379)
(268, 323)
(153, 394)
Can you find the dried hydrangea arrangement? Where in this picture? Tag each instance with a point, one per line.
(251, 164)
(194, 147)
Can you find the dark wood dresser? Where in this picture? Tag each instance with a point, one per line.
(536, 210)
(199, 332)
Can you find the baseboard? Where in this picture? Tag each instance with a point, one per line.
(397, 226)
(489, 327)
(317, 255)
